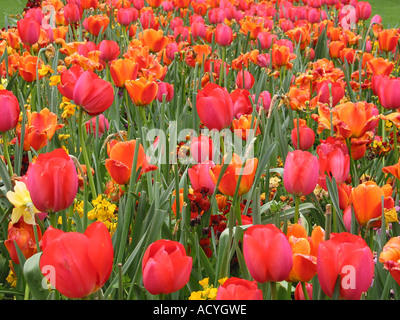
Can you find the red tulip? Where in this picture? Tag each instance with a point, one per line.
(348, 256)
(77, 264)
(201, 149)
(267, 253)
(223, 34)
(9, 110)
(126, 16)
(68, 79)
(336, 93)
(109, 50)
(165, 266)
(91, 125)
(72, 13)
(239, 289)
(388, 91)
(200, 177)
(307, 135)
(300, 173)
(28, 30)
(334, 161)
(244, 80)
(299, 294)
(94, 95)
(165, 89)
(23, 235)
(363, 10)
(214, 107)
(241, 102)
(52, 181)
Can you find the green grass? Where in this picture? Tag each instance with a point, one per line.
(389, 10)
(10, 7)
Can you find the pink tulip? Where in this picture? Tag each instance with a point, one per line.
(200, 178)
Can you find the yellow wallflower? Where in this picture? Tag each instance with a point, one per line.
(68, 108)
(23, 206)
(55, 80)
(208, 292)
(44, 70)
(104, 211)
(390, 216)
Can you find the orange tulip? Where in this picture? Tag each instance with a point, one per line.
(335, 47)
(142, 91)
(154, 39)
(242, 126)
(394, 170)
(122, 70)
(231, 176)
(390, 257)
(388, 39)
(120, 162)
(300, 35)
(199, 54)
(366, 199)
(40, 128)
(27, 67)
(281, 57)
(353, 120)
(380, 66)
(304, 262)
(96, 23)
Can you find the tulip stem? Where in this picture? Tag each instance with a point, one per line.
(296, 208)
(305, 293)
(274, 291)
(6, 154)
(85, 154)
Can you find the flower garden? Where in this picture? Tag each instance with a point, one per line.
(199, 150)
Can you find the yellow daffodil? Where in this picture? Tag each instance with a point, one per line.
(23, 206)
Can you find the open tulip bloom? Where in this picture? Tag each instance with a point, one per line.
(199, 150)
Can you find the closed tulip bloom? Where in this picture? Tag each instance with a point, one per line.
(363, 10)
(9, 110)
(91, 125)
(390, 257)
(267, 253)
(201, 149)
(126, 16)
(300, 173)
(214, 107)
(334, 161)
(200, 178)
(299, 294)
(94, 95)
(142, 91)
(236, 170)
(332, 95)
(223, 34)
(82, 262)
(95, 24)
(335, 47)
(366, 199)
(109, 50)
(388, 39)
(388, 92)
(165, 267)
(120, 162)
(281, 57)
(348, 256)
(165, 89)
(28, 30)
(239, 289)
(307, 135)
(52, 181)
(23, 235)
(72, 13)
(122, 70)
(244, 80)
(154, 39)
(68, 79)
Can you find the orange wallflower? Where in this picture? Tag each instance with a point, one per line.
(142, 91)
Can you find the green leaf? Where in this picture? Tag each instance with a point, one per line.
(34, 277)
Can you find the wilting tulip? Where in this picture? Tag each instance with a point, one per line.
(346, 256)
(390, 257)
(223, 35)
(9, 110)
(235, 171)
(307, 135)
(77, 264)
(214, 107)
(353, 120)
(94, 95)
(23, 235)
(28, 30)
(52, 181)
(388, 92)
(366, 199)
(200, 178)
(239, 289)
(165, 267)
(267, 253)
(334, 161)
(122, 70)
(142, 91)
(120, 162)
(300, 173)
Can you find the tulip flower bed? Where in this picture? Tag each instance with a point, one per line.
(199, 150)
